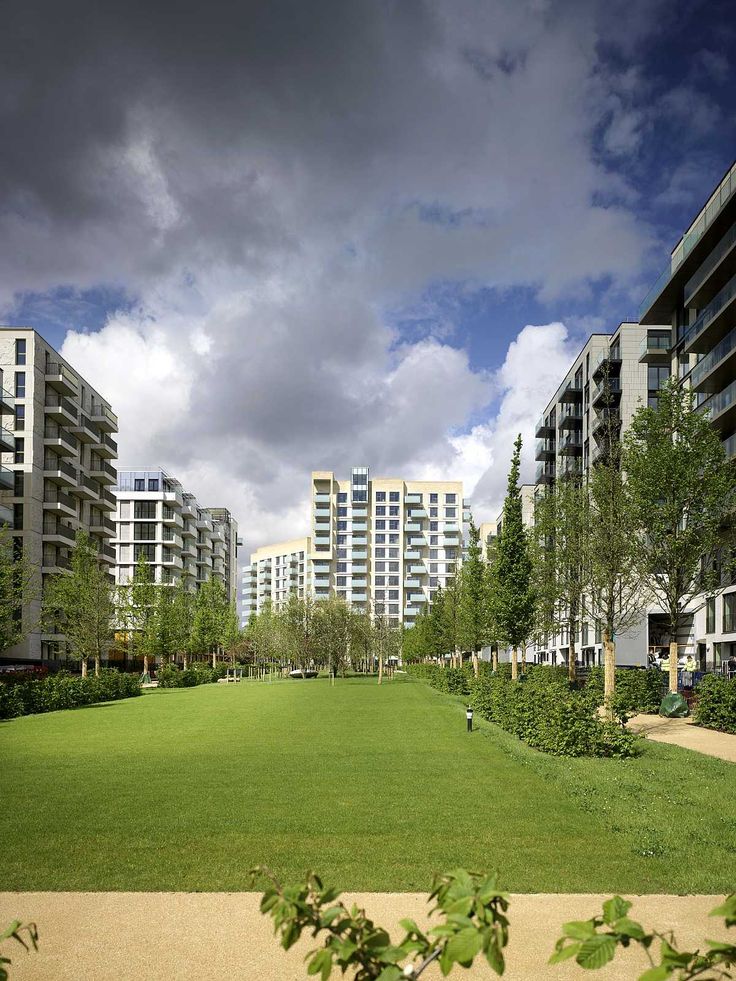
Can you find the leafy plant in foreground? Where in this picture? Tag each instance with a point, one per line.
(15, 931)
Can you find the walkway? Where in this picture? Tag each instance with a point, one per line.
(684, 732)
(222, 936)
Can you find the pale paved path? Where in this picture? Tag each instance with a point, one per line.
(222, 936)
(684, 732)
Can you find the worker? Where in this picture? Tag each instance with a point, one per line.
(690, 663)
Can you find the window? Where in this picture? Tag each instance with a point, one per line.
(380, 524)
(342, 525)
(342, 567)
(147, 551)
(450, 498)
(20, 384)
(434, 539)
(393, 553)
(393, 539)
(393, 580)
(381, 510)
(20, 450)
(393, 594)
(450, 513)
(434, 553)
(341, 539)
(380, 580)
(139, 484)
(342, 511)
(710, 615)
(729, 613)
(433, 526)
(433, 582)
(380, 594)
(360, 495)
(393, 524)
(379, 608)
(393, 495)
(380, 566)
(434, 512)
(342, 553)
(342, 497)
(380, 539)
(18, 517)
(18, 480)
(20, 351)
(380, 495)
(393, 567)
(657, 375)
(450, 553)
(393, 608)
(433, 567)
(380, 553)
(342, 581)
(20, 417)
(433, 498)
(393, 510)
(153, 484)
(144, 509)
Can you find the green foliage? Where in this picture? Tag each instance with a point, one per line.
(545, 712)
(63, 691)
(454, 681)
(593, 944)
(475, 628)
(16, 931)
(716, 703)
(474, 922)
(16, 592)
(636, 690)
(170, 676)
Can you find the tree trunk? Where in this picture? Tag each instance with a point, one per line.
(571, 651)
(494, 657)
(145, 664)
(458, 658)
(380, 669)
(186, 661)
(673, 664)
(523, 658)
(97, 665)
(214, 658)
(514, 664)
(609, 673)
(476, 667)
(84, 667)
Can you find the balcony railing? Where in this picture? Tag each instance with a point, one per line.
(706, 268)
(54, 368)
(709, 313)
(61, 465)
(49, 528)
(706, 364)
(59, 497)
(67, 438)
(655, 342)
(56, 401)
(720, 401)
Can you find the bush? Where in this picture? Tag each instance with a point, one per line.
(64, 691)
(546, 713)
(716, 703)
(637, 690)
(171, 676)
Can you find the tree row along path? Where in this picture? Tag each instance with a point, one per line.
(223, 936)
(684, 733)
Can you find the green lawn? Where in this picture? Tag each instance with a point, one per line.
(375, 788)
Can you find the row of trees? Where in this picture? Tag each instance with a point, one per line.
(652, 525)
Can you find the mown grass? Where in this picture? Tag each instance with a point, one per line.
(375, 788)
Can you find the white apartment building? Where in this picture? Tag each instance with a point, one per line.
(275, 572)
(157, 518)
(611, 377)
(58, 467)
(385, 544)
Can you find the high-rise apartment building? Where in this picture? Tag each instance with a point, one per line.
(695, 296)
(275, 572)
(58, 467)
(385, 544)
(611, 377)
(157, 518)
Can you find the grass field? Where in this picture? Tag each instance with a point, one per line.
(375, 788)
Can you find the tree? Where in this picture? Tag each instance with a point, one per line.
(616, 595)
(80, 604)
(474, 599)
(386, 641)
(449, 625)
(210, 611)
(231, 632)
(333, 631)
(514, 601)
(561, 562)
(298, 617)
(682, 491)
(139, 606)
(16, 590)
(182, 616)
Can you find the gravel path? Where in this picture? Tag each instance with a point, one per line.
(222, 936)
(684, 732)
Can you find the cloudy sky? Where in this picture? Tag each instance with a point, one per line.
(283, 236)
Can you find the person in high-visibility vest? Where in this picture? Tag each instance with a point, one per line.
(690, 663)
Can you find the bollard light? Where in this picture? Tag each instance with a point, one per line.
(469, 717)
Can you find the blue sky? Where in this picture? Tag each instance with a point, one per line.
(281, 242)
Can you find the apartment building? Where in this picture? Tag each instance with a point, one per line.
(58, 467)
(385, 544)
(612, 376)
(695, 297)
(275, 572)
(179, 538)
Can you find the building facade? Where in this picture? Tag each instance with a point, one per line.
(610, 379)
(275, 572)
(58, 468)
(695, 297)
(155, 517)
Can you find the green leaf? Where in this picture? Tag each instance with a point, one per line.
(614, 909)
(659, 973)
(565, 953)
(494, 956)
(579, 929)
(464, 945)
(390, 973)
(727, 909)
(596, 951)
(629, 928)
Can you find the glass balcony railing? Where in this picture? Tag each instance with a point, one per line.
(709, 313)
(729, 446)
(654, 342)
(703, 272)
(719, 352)
(719, 401)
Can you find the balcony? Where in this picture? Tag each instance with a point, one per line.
(103, 417)
(53, 565)
(412, 526)
(412, 554)
(416, 570)
(655, 348)
(712, 322)
(7, 479)
(60, 409)
(729, 447)
(59, 377)
(607, 392)
(572, 444)
(545, 473)
(86, 488)
(322, 498)
(607, 363)
(58, 501)
(322, 512)
(546, 450)
(85, 431)
(7, 401)
(60, 440)
(172, 561)
(416, 514)
(359, 596)
(59, 533)
(413, 499)
(602, 420)
(545, 427)
(60, 472)
(714, 370)
(451, 527)
(103, 472)
(106, 446)
(103, 526)
(571, 416)
(170, 516)
(359, 526)
(570, 468)
(189, 531)
(7, 441)
(410, 583)
(571, 393)
(359, 569)
(359, 553)
(7, 518)
(721, 407)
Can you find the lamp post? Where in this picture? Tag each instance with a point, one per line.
(469, 717)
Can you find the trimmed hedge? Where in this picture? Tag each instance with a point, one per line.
(716, 703)
(64, 691)
(637, 690)
(171, 676)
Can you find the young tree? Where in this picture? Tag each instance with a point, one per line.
(17, 590)
(474, 599)
(450, 623)
(231, 632)
(140, 602)
(182, 615)
(514, 601)
(210, 610)
(386, 642)
(333, 629)
(682, 491)
(80, 604)
(298, 619)
(616, 594)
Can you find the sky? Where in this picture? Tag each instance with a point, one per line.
(286, 236)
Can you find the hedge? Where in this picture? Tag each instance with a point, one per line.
(716, 703)
(636, 690)
(170, 676)
(64, 691)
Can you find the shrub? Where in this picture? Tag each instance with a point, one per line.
(170, 676)
(637, 690)
(716, 703)
(64, 691)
